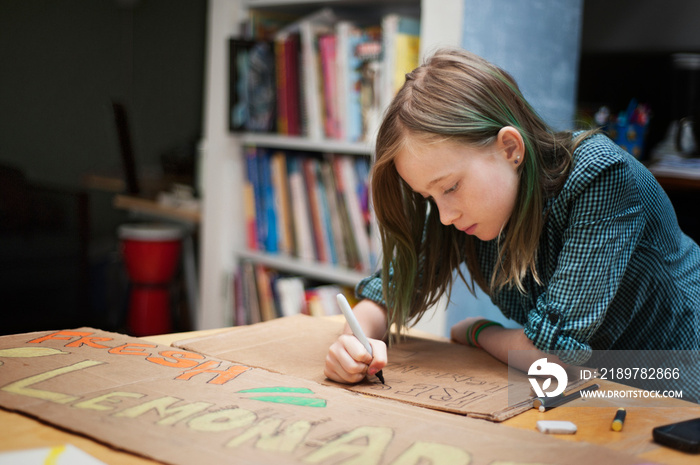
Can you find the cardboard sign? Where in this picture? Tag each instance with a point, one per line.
(182, 407)
(430, 373)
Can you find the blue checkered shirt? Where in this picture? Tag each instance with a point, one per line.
(617, 271)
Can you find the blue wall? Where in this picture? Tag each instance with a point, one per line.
(538, 43)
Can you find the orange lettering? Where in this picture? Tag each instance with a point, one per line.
(132, 348)
(222, 375)
(89, 341)
(179, 359)
(59, 335)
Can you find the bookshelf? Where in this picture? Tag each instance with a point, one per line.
(305, 144)
(310, 269)
(223, 166)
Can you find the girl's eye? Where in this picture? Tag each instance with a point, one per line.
(452, 189)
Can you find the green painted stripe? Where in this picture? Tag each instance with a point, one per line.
(278, 389)
(302, 401)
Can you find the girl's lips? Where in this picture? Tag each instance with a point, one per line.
(470, 229)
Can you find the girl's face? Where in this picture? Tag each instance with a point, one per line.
(474, 188)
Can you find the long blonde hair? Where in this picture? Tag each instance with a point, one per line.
(459, 97)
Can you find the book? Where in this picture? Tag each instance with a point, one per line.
(289, 102)
(238, 61)
(401, 49)
(249, 215)
(282, 206)
(337, 233)
(314, 304)
(281, 86)
(369, 55)
(269, 237)
(327, 295)
(327, 45)
(290, 294)
(348, 184)
(324, 214)
(250, 293)
(264, 278)
(352, 255)
(261, 81)
(239, 305)
(333, 77)
(309, 29)
(252, 86)
(348, 37)
(287, 84)
(253, 179)
(311, 75)
(309, 166)
(321, 300)
(362, 169)
(303, 235)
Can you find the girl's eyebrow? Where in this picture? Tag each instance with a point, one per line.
(435, 181)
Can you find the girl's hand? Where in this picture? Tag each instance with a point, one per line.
(349, 362)
(458, 332)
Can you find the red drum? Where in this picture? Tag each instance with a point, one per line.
(151, 254)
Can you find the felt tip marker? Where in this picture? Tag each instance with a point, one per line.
(355, 327)
(547, 403)
(619, 420)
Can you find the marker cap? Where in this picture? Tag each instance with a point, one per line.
(619, 420)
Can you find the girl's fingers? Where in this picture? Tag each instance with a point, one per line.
(348, 361)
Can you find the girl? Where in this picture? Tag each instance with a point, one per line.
(569, 235)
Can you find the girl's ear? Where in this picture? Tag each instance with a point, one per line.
(510, 141)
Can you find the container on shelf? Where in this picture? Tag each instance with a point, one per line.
(151, 253)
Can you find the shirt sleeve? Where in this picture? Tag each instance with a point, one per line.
(603, 227)
(371, 288)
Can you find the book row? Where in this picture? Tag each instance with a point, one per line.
(263, 294)
(312, 206)
(321, 76)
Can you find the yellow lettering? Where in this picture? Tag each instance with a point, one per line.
(22, 388)
(374, 442)
(433, 453)
(271, 439)
(111, 397)
(26, 352)
(222, 420)
(169, 415)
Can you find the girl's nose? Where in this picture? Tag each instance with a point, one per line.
(447, 214)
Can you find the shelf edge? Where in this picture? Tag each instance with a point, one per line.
(315, 270)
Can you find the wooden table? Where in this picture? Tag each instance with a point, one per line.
(152, 208)
(593, 418)
(675, 183)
